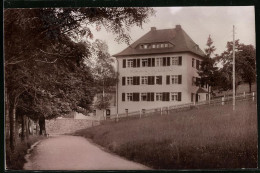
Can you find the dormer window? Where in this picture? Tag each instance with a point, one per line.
(155, 45)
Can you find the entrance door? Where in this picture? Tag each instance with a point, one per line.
(197, 97)
(108, 113)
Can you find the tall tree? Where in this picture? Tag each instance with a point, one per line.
(44, 56)
(208, 72)
(245, 63)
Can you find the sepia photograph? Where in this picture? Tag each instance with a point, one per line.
(130, 88)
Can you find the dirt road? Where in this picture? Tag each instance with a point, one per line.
(75, 153)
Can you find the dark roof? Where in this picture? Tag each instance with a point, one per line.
(176, 36)
(200, 90)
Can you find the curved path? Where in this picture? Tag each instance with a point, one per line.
(75, 153)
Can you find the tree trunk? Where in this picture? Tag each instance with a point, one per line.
(26, 127)
(23, 127)
(250, 87)
(12, 126)
(42, 125)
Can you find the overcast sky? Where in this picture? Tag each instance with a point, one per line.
(199, 23)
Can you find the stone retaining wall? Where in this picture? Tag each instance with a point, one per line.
(69, 125)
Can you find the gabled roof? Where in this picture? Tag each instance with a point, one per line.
(176, 36)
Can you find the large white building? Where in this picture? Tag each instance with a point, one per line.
(159, 69)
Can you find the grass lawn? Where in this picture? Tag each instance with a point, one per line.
(210, 137)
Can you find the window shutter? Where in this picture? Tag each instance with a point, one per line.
(179, 79)
(152, 96)
(164, 61)
(167, 79)
(163, 97)
(168, 61)
(123, 97)
(150, 80)
(124, 63)
(137, 96)
(138, 63)
(123, 80)
(160, 79)
(134, 62)
(180, 60)
(197, 64)
(149, 62)
(137, 80)
(179, 96)
(134, 80)
(153, 62)
(148, 96)
(167, 96)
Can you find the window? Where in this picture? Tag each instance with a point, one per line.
(175, 79)
(153, 46)
(141, 46)
(126, 111)
(144, 62)
(166, 45)
(193, 61)
(162, 45)
(158, 45)
(159, 62)
(145, 46)
(197, 64)
(129, 80)
(193, 80)
(158, 80)
(144, 80)
(175, 60)
(144, 96)
(130, 63)
(129, 96)
(159, 96)
(174, 96)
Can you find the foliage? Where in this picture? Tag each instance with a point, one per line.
(45, 50)
(245, 64)
(102, 102)
(208, 72)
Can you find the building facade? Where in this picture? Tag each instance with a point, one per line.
(159, 69)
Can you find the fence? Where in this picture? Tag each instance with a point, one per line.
(175, 108)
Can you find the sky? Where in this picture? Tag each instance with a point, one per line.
(198, 23)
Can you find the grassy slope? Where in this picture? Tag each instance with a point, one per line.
(214, 137)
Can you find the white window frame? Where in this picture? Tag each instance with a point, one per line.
(145, 46)
(129, 80)
(174, 96)
(157, 79)
(174, 79)
(145, 62)
(153, 46)
(144, 80)
(143, 95)
(130, 63)
(159, 96)
(158, 62)
(175, 60)
(129, 96)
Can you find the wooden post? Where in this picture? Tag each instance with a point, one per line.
(223, 100)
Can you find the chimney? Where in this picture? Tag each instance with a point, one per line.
(153, 28)
(178, 27)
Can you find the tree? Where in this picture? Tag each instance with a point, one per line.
(208, 72)
(45, 54)
(245, 62)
